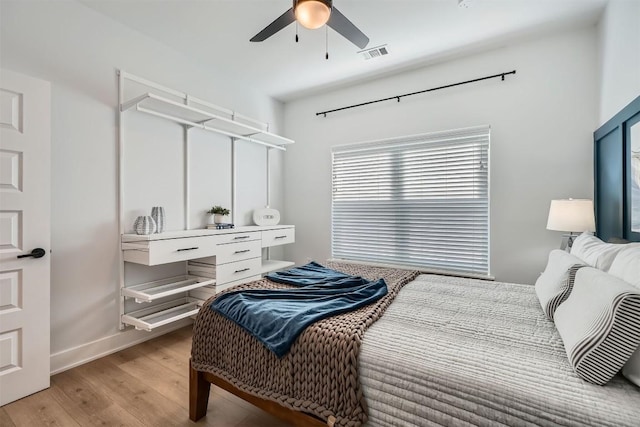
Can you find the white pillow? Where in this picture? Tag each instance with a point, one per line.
(555, 283)
(626, 265)
(594, 251)
(599, 324)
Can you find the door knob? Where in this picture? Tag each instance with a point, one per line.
(36, 253)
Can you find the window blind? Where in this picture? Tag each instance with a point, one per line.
(420, 201)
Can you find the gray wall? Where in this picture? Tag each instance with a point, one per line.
(619, 52)
(542, 122)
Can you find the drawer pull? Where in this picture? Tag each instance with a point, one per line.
(242, 271)
(241, 237)
(242, 252)
(280, 237)
(188, 249)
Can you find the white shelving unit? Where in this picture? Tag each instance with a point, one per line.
(220, 254)
(234, 256)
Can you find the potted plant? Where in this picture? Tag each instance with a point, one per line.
(220, 214)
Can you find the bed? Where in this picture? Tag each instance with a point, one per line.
(444, 351)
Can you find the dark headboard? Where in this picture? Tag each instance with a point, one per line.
(616, 199)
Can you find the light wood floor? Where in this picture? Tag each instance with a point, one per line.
(145, 385)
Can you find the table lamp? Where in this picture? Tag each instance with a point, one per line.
(573, 216)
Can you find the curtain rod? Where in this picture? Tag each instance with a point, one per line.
(397, 97)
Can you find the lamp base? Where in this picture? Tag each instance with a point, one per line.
(567, 241)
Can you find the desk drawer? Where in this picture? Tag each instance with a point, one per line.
(282, 236)
(237, 270)
(237, 237)
(233, 252)
(158, 252)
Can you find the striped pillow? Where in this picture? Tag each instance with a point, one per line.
(599, 324)
(555, 283)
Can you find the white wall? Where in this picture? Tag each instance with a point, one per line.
(78, 51)
(541, 145)
(619, 56)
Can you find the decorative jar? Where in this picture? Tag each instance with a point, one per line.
(144, 224)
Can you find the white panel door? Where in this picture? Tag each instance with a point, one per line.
(25, 205)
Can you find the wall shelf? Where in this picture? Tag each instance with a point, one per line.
(162, 314)
(166, 108)
(150, 291)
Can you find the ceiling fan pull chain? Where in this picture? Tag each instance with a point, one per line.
(296, 31)
(326, 39)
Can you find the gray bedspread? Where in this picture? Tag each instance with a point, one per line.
(457, 352)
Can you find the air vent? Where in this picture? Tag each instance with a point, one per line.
(375, 52)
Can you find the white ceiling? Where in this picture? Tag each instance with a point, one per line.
(216, 33)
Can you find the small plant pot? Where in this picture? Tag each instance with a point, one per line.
(220, 219)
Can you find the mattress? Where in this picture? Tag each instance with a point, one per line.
(453, 351)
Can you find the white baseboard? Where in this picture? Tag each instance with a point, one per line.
(70, 358)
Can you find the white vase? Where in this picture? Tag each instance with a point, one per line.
(157, 213)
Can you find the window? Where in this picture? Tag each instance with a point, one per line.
(420, 201)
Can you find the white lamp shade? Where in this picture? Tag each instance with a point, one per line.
(573, 215)
(312, 14)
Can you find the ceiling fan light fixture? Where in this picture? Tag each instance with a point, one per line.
(312, 14)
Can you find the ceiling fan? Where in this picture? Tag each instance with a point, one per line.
(314, 14)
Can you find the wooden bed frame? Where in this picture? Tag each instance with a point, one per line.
(200, 385)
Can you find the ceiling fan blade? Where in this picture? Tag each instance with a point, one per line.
(285, 19)
(342, 25)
